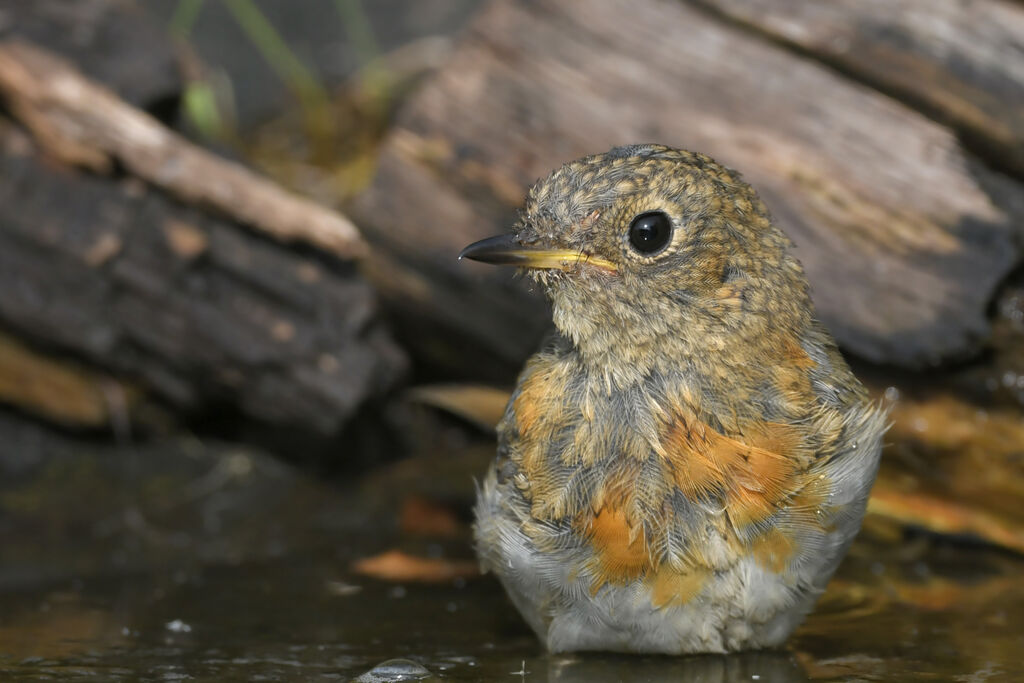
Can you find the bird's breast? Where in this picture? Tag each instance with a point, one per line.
(651, 491)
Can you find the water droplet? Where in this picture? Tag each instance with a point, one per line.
(178, 626)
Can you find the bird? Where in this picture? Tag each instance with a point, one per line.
(686, 459)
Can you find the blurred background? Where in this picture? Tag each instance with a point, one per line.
(245, 385)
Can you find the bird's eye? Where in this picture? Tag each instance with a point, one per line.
(650, 232)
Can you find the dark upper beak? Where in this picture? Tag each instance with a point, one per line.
(505, 250)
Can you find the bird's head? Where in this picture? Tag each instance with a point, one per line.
(648, 251)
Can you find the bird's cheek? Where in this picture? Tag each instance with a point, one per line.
(575, 316)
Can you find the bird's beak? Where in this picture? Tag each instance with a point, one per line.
(505, 250)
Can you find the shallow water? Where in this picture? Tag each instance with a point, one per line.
(304, 618)
(189, 565)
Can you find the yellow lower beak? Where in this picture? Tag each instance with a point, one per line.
(506, 251)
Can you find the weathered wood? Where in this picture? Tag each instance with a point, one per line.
(903, 235)
(111, 41)
(82, 123)
(961, 62)
(59, 391)
(193, 308)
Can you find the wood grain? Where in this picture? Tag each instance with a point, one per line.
(904, 235)
(961, 62)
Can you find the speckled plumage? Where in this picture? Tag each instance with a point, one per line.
(684, 463)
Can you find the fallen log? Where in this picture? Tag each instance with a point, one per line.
(957, 61)
(903, 234)
(133, 275)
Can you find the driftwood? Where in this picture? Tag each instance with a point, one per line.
(196, 309)
(82, 123)
(903, 234)
(150, 294)
(959, 61)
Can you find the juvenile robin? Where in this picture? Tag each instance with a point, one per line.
(684, 463)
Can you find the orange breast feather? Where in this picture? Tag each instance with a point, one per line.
(753, 479)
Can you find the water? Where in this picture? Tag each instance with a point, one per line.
(179, 562)
(285, 620)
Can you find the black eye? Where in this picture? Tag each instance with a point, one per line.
(650, 232)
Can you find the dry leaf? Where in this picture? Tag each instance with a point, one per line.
(395, 565)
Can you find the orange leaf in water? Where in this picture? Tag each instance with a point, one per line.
(395, 565)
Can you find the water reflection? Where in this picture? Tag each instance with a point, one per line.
(781, 667)
(285, 621)
(270, 593)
